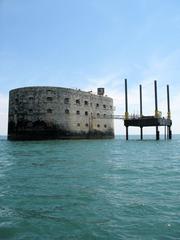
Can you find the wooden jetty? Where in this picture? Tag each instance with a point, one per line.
(148, 121)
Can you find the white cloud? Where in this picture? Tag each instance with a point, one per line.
(165, 70)
(114, 87)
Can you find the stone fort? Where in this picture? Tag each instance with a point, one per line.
(37, 113)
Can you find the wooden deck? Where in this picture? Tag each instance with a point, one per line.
(147, 121)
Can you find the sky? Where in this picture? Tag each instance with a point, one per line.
(93, 43)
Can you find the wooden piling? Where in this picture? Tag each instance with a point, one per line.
(142, 121)
(156, 100)
(140, 95)
(168, 103)
(168, 113)
(156, 108)
(141, 133)
(157, 133)
(165, 137)
(127, 136)
(126, 106)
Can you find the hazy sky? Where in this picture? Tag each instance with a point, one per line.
(92, 43)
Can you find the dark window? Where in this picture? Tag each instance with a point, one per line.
(49, 91)
(97, 105)
(105, 125)
(66, 100)
(85, 102)
(30, 110)
(78, 124)
(86, 113)
(67, 111)
(29, 124)
(49, 110)
(86, 124)
(104, 106)
(110, 107)
(98, 115)
(98, 126)
(49, 99)
(77, 101)
(30, 98)
(104, 115)
(77, 112)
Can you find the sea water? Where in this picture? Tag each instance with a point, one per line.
(90, 189)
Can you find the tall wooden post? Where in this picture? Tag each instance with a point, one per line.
(168, 113)
(127, 133)
(156, 100)
(126, 106)
(165, 132)
(156, 108)
(140, 94)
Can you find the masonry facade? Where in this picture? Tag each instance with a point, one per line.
(58, 113)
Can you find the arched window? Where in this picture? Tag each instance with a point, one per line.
(49, 99)
(49, 110)
(77, 101)
(66, 100)
(49, 91)
(67, 111)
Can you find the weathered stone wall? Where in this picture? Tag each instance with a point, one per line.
(58, 113)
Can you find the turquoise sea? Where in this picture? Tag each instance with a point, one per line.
(90, 189)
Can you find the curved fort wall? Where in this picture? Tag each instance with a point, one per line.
(58, 113)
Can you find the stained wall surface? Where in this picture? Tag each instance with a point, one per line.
(58, 113)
